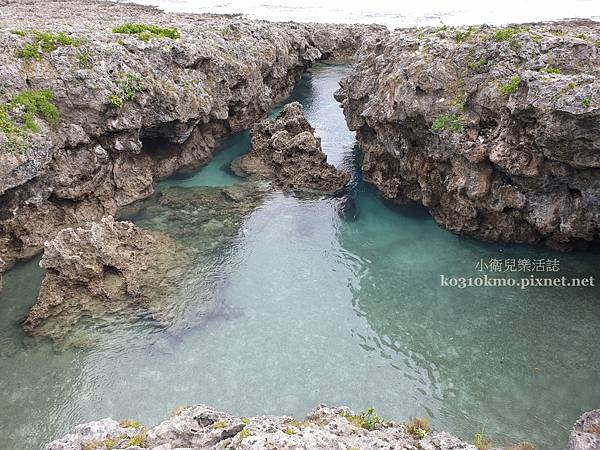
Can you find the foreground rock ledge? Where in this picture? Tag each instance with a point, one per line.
(287, 151)
(494, 130)
(202, 427)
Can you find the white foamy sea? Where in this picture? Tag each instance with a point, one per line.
(393, 14)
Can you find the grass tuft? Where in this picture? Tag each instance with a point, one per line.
(512, 86)
(144, 32)
(418, 427)
(448, 122)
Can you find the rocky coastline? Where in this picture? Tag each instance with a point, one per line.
(203, 427)
(94, 115)
(494, 130)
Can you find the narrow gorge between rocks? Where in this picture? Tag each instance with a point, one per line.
(331, 300)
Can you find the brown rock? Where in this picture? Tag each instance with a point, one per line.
(287, 152)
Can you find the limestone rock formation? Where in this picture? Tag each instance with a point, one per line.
(104, 268)
(494, 130)
(109, 271)
(586, 432)
(201, 427)
(286, 151)
(133, 108)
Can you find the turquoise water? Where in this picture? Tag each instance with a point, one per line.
(339, 301)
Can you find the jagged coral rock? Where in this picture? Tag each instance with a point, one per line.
(287, 151)
(494, 132)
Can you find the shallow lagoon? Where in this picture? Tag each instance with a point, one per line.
(340, 308)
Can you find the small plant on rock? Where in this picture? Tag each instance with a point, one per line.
(219, 424)
(128, 423)
(482, 442)
(369, 419)
(127, 89)
(418, 427)
(586, 102)
(512, 86)
(144, 32)
(46, 42)
(448, 122)
(245, 433)
(138, 440)
(551, 70)
(476, 66)
(506, 34)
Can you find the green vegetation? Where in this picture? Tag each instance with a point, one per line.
(418, 427)
(27, 106)
(441, 29)
(245, 433)
(482, 442)
(289, 431)
(571, 86)
(85, 59)
(512, 86)
(219, 424)
(19, 33)
(586, 102)
(476, 66)
(448, 122)
(461, 36)
(145, 32)
(137, 440)
(127, 89)
(46, 42)
(368, 419)
(506, 34)
(245, 420)
(553, 70)
(128, 423)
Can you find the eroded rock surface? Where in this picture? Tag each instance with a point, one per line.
(102, 269)
(494, 130)
(202, 427)
(111, 271)
(586, 432)
(287, 151)
(132, 109)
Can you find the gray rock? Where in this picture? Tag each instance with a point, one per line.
(287, 151)
(586, 432)
(135, 111)
(202, 427)
(493, 130)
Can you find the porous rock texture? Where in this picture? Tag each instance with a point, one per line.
(586, 432)
(202, 427)
(110, 271)
(103, 267)
(132, 111)
(287, 151)
(494, 130)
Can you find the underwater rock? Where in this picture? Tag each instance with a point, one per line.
(494, 130)
(586, 432)
(202, 427)
(133, 109)
(105, 269)
(164, 269)
(287, 151)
